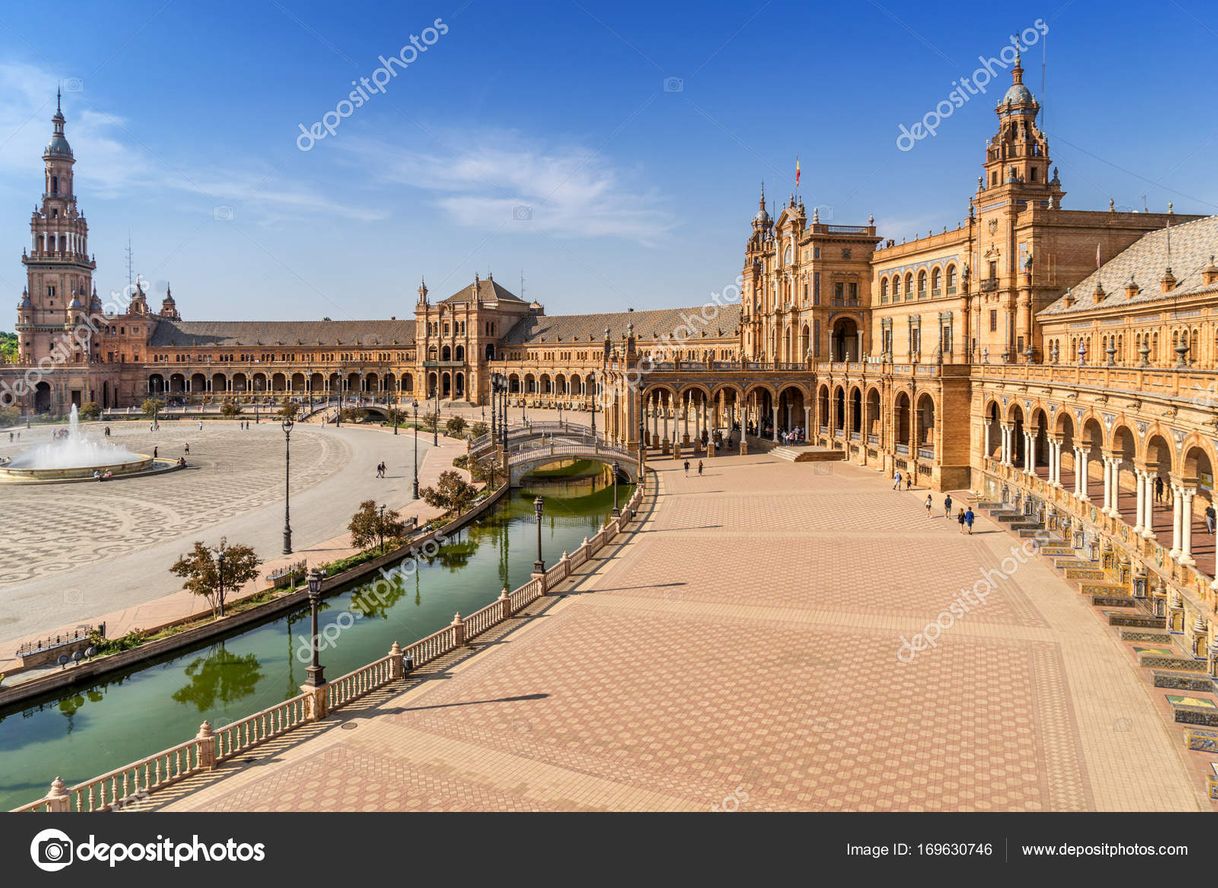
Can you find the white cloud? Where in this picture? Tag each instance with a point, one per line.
(560, 191)
(115, 160)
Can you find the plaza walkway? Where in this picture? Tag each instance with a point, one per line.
(740, 651)
(76, 554)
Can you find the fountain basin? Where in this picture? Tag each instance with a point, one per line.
(142, 465)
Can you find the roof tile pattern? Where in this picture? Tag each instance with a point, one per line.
(1146, 260)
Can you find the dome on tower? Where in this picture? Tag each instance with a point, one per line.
(1017, 94)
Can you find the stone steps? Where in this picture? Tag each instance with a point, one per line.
(1171, 661)
(1114, 601)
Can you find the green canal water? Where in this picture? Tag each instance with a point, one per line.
(88, 731)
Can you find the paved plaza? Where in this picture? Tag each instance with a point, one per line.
(73, 552)
(740, 651)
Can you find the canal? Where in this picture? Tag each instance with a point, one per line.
(88, 731)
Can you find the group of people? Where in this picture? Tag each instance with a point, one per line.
(380, 469)
(687, 468)
(964, 517)
(791, 437)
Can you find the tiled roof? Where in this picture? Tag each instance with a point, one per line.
(648, 325)
(1146, 260)
(488, 291)
(283, 333)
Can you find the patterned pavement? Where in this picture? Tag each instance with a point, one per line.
(740, 653)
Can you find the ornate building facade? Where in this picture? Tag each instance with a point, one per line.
(1063, 359)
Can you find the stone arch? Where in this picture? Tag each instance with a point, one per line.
(927, 431)
(872, 420)
(901, 416)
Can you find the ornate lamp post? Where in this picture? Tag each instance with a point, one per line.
(395, 415)
(435, 429)
(494, 407)
(595, 392)
(503, 421)
(316, 674)
(617, 513)
(287, 481)
(415, 405)
(539, 566)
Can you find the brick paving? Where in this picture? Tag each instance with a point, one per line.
(740, 651)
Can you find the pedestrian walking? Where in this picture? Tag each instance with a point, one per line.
(699, 468)
(969, 518)
(947, 506)
(188, 448)
(896, 481)
(909, 481)
(154, 452)
(686, 468)
(960, 520)
(1209, 518)
(1158, 489)
(930, 504)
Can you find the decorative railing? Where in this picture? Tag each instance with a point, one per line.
(253, 730)
(133, 783)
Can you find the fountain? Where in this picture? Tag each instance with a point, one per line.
(74, 457)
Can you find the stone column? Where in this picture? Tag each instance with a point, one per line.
(1004, 452)
(774, 430)
(1177, 513)
(1186, 525)
(685, 428)
(665, 408)
(1029, 452)
(808, 424)
(1140, 501)
(1148, 504)
(1082, 460)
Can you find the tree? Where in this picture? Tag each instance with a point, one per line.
(455, 426)
(451, 492)
(288, 409)
(90, 410)
(478, 429)
(152, 407)
(213, 572)
(431, 421)
(230, 408)
(9, 416)
(8, 348)
(375, 524)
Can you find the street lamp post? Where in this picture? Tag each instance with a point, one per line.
(316, 674)
(415, 405)
(494, 406)
(287, 480)
(435, 429)
(539, 566)
(617, 513)
(395, 416)
(595, 392)
(380, 529)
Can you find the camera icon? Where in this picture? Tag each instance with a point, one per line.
(522, 214)
(1122, 725)
(674, 85)
(73, 596)
(822, 467)
(51, 850)
(73, 85)
(223, 214)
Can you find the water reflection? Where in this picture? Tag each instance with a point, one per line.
(86, 732)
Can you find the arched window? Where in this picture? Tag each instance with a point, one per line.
(936, 282)
(921, 284)
(896, 288)
(909, 286)
(883, 290)
(951, 280)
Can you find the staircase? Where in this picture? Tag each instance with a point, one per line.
(1161, 652)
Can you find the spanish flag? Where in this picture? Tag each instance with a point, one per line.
(797, 171)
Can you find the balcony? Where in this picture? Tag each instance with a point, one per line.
(989, 285)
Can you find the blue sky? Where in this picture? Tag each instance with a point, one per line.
(540, 137)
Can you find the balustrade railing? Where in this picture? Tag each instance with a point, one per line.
(134, 782)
